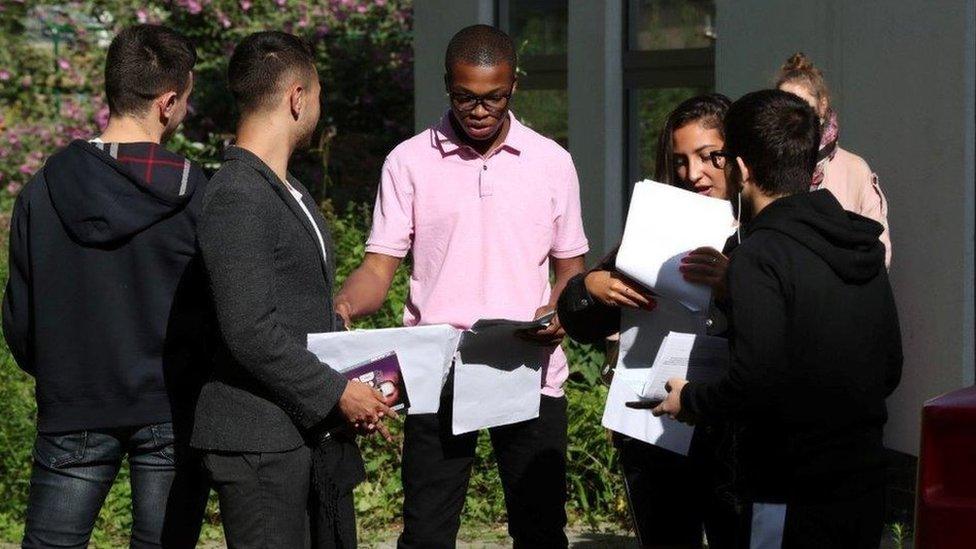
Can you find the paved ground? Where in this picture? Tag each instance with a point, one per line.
(578, 540)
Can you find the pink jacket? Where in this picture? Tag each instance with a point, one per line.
(856, 187)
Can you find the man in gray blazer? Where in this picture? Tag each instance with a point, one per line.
(271, 418)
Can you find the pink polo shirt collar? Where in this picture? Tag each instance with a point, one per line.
(446, 139)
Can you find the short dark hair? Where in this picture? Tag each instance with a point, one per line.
(777, 135)
(144, 62)
(480, 45)
(708, 110)
(261, 63)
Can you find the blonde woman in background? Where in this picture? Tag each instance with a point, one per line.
(841, 172)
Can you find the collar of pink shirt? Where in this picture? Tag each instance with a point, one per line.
(445, 139)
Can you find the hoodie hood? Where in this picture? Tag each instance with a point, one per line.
(845, 240)
(104, 196)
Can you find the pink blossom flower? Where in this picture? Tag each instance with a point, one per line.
(142, 16)
(13, 187)
(26, 81)
(281, 3)
(64, 64)
(224, 20)
(245, 4)
(26, 169)
(4, 75)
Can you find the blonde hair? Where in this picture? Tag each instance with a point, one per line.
(799, 69)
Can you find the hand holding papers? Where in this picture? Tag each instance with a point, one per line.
(663, 224)
(497, 376)
(425, 354)
(642, 334)
(684, 356)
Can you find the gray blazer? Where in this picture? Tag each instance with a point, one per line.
(271, 287)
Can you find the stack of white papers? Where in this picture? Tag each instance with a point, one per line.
(664, 223)
(642, 334)
(425, 354)
(683, 356)
(497, 376)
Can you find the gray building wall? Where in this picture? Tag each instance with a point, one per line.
(903, 77)
(434, 23)
(596, 117)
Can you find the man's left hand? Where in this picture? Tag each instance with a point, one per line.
(672, 405)
(551, 335)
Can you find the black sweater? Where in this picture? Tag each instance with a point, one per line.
(104, 305)
(816, 348)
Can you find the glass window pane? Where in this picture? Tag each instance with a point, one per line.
(545, 111)
(538, 26)
(671, 24)
(651, 108)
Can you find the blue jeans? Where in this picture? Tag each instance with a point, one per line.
(73, 473)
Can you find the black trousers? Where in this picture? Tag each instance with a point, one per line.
(855, 523)
(531, 462)
(674, 499)
(266, 499)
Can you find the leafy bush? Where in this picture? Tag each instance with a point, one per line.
(52, 57)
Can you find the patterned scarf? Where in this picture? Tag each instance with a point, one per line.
(829, 133)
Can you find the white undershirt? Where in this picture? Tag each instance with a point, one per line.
(298, 198)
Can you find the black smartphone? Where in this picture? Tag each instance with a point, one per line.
(643, 404)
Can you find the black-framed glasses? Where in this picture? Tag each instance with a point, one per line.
(719, 158)
(493, 103)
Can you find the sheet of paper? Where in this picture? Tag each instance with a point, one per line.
(686, 356)
(664, 223)
(497, 378)
(663, 432)
(425, 354)
(641, 336)
(642, 332)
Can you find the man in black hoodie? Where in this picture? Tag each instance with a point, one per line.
(815, 343)
(105, 307)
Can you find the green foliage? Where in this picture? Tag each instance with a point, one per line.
(52, 56)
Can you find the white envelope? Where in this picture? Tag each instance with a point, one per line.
(425, 354)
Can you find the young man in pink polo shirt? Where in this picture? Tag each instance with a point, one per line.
(485, 205)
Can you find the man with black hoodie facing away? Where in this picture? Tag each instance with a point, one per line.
(103, 307)
(815, 342)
